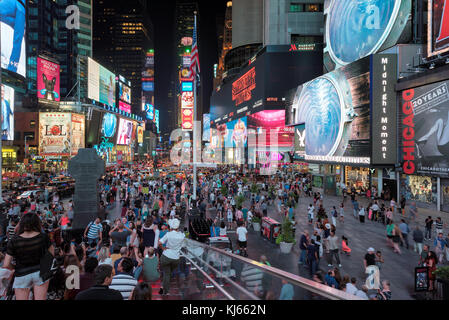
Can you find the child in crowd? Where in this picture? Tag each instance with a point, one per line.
(345, 246)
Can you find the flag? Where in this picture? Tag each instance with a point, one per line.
(194, 57)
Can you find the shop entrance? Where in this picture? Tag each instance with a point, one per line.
(389, 189)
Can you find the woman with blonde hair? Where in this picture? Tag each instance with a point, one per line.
(104, 256)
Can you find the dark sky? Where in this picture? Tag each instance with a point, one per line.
(162, 16)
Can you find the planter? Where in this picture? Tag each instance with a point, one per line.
(256, 226)
(286, 247)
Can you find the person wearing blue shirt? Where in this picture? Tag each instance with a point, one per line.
(330, 280)
(440, 247)
(287, 291)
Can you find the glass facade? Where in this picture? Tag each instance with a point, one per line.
(419, 188)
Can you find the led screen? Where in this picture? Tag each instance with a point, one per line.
(140, 134)
(335, 109)
(206, 127)
(101, 84)
(48, 80)
(236, 133)
(125, 131)
(124, 106)
(109, 125)
(12, 24)
(356, 29)
(187, 100)
(78, 125)
(7, 113)
(124, 92)
(437, 27)
(273, 122)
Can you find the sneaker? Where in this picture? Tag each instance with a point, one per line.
(329, 265)
(161, 291)
(339, 265)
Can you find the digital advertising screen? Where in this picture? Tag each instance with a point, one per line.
(124, 106)
(78, 131)
(7, 112)
(273, 124)
(101, 84)
(125, 131)
(236, 134)
(187, 100)
(148, 86)
(48, 80)
(54, 133)
(206, 127)
(187, 119)
(156, 119)
(149, 111)
(300, 142)
(356, 29)
(437, 27)
(109, 125)
(335, 109)
(140, 134)
(424, 129)
(187, 86)
(13, 24)
(124, 92)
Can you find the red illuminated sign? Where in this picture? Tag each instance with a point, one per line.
(438, 27)
(408, 133)
(242, 87)
(187, 119)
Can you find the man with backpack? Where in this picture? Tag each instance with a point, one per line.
(93, 231)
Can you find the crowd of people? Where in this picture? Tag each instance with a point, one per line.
(130, 253)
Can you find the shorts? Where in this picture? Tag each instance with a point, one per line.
(28, 281)
(242, 244)
(230, 219)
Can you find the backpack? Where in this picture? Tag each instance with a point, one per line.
(335, 213)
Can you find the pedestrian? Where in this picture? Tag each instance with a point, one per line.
(402, 202)
(403, 226)
(342, 212)
(428, 232)
(242, 238)
(440, 247)
(418, 238)
(312, 257)
(345, 246)
(303, 243)
(310, 212)
(333, 249)
(397, 237)
(438, 226)
(356, 207)
(413, 211)
(287, 291)
(385, 293)
(93, 231)
(100, 290)
(334, 216)
(370, 258)
(362, 214)
(379, 259)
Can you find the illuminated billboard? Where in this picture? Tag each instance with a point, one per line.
(187, 119)
(187, 100)
(124, 106)
(187, 86)
(101, 84)
(156, 119)
(78, 126)
(48, 87)
(273, 122)
(356, 29)
(424, 118)
(125, 131)
(124, 92)
(236, 133)
(335, 109)
(109, 125)
(437, 27)
(149, 111)
(13, 24)
(148, 86)
(54, 133)
(206, 127)
(7, 112)
(139, 134)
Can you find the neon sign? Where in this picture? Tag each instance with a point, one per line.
(242, 87)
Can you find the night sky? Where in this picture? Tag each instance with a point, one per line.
(162, 16)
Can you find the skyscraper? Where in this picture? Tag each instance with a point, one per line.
(226, 44)
(123, 34)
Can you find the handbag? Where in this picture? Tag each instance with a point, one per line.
(48, 265)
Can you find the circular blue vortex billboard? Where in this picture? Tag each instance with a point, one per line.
(358, 28)
(319, 107)
(109, 125)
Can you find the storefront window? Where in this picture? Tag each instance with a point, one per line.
(445, 195)
(419, 188)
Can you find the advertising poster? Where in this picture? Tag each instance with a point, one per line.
(54, 134)
(139, 134)
(109, 125)
(7, 112)
(357, 29)
(421, 279)
(124, 92)
(125, 131)
(149, 111)
(187, 100)
(78, 125)
(236, 134)
(13, 24)
(335, 109)
(156, 119)
(187, 86)
(424, 129)
(107, 87)
(206, 127)
(300, 142)
(48, 80)
(93, 80)
(187, 119)
(148, 86)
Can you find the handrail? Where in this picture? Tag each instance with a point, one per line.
(217, 285)
(236, 285)
(310, 285)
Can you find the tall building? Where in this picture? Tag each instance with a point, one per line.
(184, 22)
(225, 39)
(122, 35)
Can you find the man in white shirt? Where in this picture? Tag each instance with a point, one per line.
(174, 240)
(350, 287)
(242, 239)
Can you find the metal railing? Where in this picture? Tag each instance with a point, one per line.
(249, 279)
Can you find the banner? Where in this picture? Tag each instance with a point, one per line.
(78, 131)
(7, 112)
(206, 127)
(48, 80)
(54, 134)
(101, 84)
(125, 131)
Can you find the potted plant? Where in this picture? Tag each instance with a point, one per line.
(239, 201)
(442, 275)
(255, 221)
(286, 238)
(254, 188)
(224, 191)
